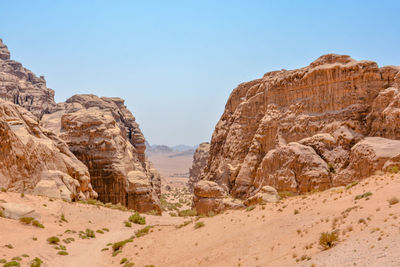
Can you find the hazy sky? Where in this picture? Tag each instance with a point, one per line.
(176, 62)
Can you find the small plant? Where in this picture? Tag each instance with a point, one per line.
(351, 185)
(285, 194)
(394, 169)
(68, 240)
(53, 240)
(328, 240)
(106, 230)
(183, 224)
(143, 231)
(123, 260)
(3, 190)
(128, 264)
(119, 245)
(9, 246)
(11, 263)
(199, 225)
(393, 201)
(26, 220)
(37, 224)
(127, 224)
(365, 195)
(189, 212)
(62, 219)
(62, 253)
(250, 208)
(296, 212)
(89, 233)
(17, 259)
(99, 231)
(331, 169)
(36, 262)
(136, 218)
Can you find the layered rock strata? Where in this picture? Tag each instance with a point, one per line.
(307, 129)
(22, 87)
(200, 158)
(104, 135)
(30, 155)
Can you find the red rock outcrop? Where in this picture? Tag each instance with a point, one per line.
(104, 135)
(30, 154)
(200, 158)
(22, 87)
(298, 130)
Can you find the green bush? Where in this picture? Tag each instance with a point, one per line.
(394, 169)
(199, 225)
(136, 218)
(119, 245)
(37, 224)
(62, 253)
(26, 220)
(53, 240)
(143, 231)
(189, 212)
(367, 194)
(36, 262)
(11, 263)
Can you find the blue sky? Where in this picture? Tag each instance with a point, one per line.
(176, 62)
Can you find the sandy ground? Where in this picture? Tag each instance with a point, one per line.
(271, 235)
(174, 169)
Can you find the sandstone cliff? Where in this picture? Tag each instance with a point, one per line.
(32, 158)
(104, 135)
(100, 132)
(200, 158)
(22, 87)
(308, 129)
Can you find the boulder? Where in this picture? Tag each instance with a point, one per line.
(200, 158)
(15, 211)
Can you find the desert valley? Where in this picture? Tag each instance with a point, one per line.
(303, 169)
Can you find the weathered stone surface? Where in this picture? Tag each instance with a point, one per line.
(16, 211)
(295, 130)
(22, 87)
(200, 158)
(368, 156)
(266, 194)
(103, 134)
(29, 153)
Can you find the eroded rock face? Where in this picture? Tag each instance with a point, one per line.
(200, 158)
(303, 129)
(22, 87)
(104, 135)
(30, 154)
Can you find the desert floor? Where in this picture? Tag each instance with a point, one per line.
(276, 234)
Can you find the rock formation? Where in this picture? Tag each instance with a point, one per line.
(22, 87)
(30, 155)
(200, 158)
(103, 134)
(100, 132)
(307, 129)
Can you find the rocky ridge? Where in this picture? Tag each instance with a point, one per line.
(100, 132)
(22, 87)
(308, 129)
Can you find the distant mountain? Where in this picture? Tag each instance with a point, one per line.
(182, 147)
(179, 149)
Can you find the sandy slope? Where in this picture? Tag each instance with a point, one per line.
(270, 235)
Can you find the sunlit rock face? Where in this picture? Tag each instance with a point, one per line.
(22, 87)
(104, 135)
(306, 129)
(200, 158)
(108, 148)
(33, 159)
